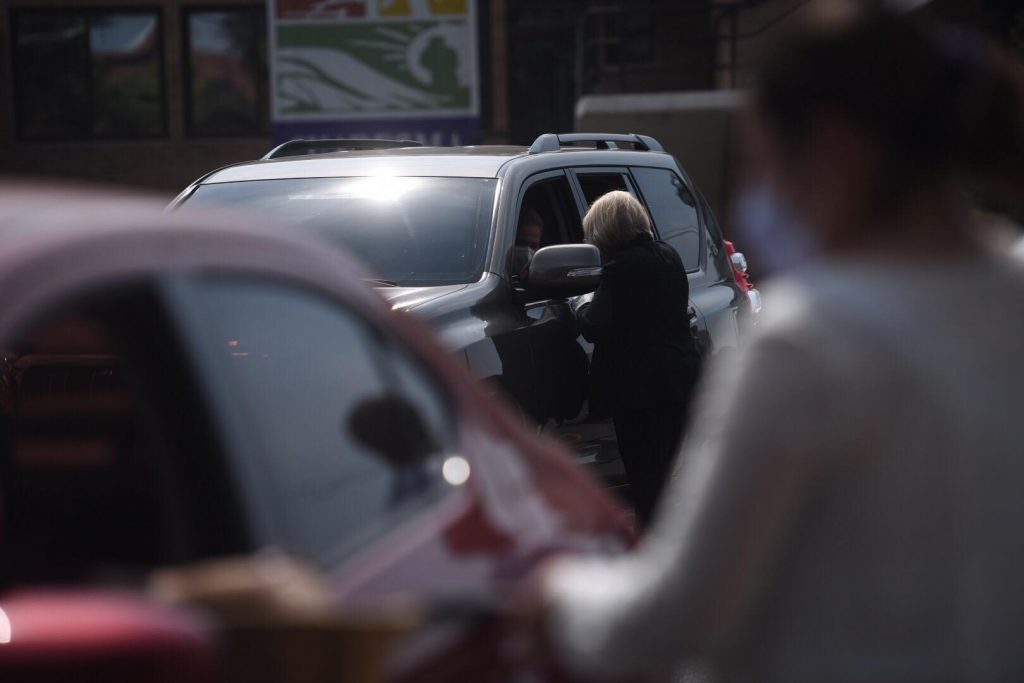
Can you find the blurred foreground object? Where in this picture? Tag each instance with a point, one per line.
(182, 392)
(847, 504)
(277, 623)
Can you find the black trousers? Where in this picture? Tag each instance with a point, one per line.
(648, 440)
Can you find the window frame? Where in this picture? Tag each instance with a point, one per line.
(88, 12)
(263, 84)
(513, 226)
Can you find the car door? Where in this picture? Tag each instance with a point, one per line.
(559, 366)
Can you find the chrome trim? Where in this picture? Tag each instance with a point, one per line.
(584, 272)
(756, 302)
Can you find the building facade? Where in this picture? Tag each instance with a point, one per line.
(146, 93)
(154, 93)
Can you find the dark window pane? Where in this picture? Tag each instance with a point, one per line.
(674, 210)
(127, 93)
(312, 399)
(227, 62)
(52, 76)
(714, 238)
(596, 185)
(82, 75)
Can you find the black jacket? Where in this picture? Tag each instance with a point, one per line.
(644, 353)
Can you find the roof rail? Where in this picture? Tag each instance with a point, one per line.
(294, 148)
(551, 142)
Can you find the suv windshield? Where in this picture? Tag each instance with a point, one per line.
(411, 231)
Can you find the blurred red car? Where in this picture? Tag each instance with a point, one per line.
(176, 388)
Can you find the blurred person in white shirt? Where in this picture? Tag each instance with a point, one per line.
(848, 505)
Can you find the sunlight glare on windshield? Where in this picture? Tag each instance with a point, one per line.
(381, 188)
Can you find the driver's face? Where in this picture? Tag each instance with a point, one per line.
(530, 236)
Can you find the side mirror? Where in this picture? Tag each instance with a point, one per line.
(565, 270)
(392, 428)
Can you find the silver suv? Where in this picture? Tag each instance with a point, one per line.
(439, 228)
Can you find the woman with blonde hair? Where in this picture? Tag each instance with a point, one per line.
(645, 359)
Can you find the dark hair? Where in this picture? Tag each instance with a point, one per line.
(937, 100)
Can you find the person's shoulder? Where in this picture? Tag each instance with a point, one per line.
(646, 252)
(667, 251)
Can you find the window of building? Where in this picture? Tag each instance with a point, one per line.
(88, 74)
(227, 71)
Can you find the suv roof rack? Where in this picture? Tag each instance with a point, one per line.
(552, 142)
(294, 148)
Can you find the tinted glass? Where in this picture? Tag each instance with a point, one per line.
(227, 71)
(127, 97)
(410, 231)
(552, 202)
(308, 376)
(716, 264)
(674, 210)
(596, 185)
(52, 76)
(83, 75)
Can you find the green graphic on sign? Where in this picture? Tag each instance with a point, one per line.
(372, 68)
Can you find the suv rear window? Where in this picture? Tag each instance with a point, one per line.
(410, 231)
(674, 210)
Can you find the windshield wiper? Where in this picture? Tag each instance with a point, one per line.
(379, 282)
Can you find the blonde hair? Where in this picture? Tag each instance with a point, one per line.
(614, 221)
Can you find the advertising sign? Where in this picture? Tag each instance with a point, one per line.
(374, 68)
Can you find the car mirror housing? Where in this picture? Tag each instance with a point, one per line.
(393, 429)
(565, 270)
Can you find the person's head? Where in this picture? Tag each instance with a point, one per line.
(862, 115)
(531, 230)
(614, 221)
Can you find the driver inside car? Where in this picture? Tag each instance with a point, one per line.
(528, 238)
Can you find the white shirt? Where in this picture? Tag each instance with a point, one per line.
(849, 504)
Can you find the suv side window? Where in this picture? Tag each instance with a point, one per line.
(717, 262)
(674, 210)
(550, 200)
(596, 185)
(318, 378)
